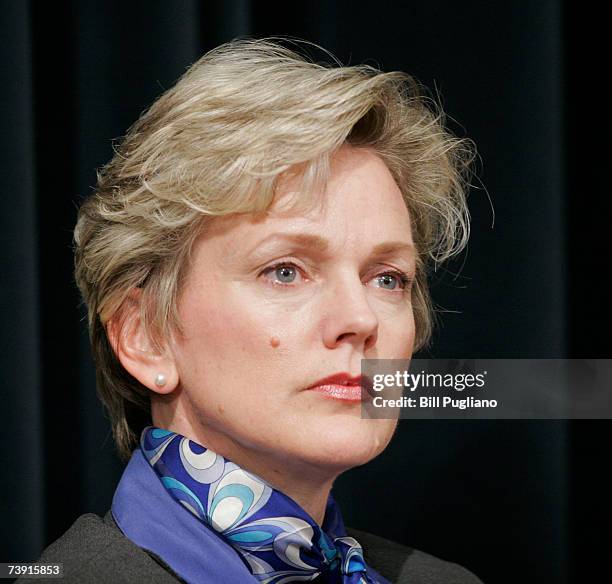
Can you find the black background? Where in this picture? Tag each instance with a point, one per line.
(514, 501)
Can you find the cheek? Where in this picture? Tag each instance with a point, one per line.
(228, 332)
(410, 328)
(396, 335)
(228, 339)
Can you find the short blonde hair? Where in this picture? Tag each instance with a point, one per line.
(217, 143)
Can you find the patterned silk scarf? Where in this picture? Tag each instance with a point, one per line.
(276, 538)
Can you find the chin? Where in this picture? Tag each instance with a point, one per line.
(350, 443)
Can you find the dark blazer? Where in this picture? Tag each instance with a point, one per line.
(95, 550)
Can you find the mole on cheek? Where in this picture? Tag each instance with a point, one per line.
(274, 341)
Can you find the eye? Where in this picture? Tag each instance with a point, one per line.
(283, 273)
(393, 280)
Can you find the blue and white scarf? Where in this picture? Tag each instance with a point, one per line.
(278, 541)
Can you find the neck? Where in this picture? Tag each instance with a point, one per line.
(307, 484)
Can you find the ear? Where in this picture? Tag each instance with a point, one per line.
(155, 369)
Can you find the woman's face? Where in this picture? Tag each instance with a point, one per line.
(272, 306)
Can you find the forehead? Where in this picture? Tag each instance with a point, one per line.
(361, 202)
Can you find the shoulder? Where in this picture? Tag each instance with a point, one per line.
(401, 564)
(94, 550)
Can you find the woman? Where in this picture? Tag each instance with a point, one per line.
(263, 227)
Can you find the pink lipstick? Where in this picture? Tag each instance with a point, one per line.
(340, 386)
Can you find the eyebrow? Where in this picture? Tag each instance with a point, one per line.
(320, 244)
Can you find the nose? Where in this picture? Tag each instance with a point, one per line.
(349, 316)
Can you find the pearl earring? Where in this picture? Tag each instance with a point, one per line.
(160, 380)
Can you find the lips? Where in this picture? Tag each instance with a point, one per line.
(343, 386)
(338, 379)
